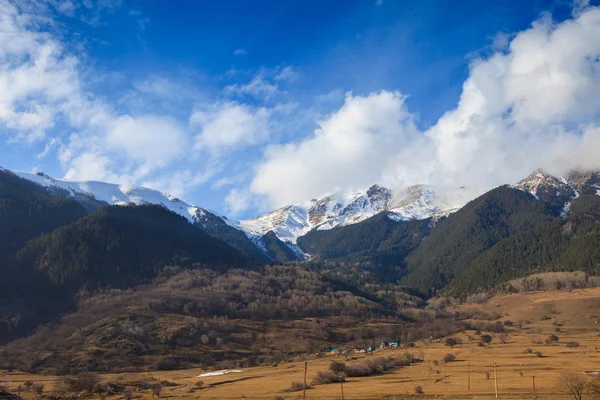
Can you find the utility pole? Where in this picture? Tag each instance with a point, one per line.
(445, 381)
(495, 380)
(342, 383)
(534, 385)
(304, 388)
(469, 375)
(429, 367)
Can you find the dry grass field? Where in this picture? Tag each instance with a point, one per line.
(535, 315)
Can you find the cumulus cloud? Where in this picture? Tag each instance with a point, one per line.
(347, 150)
(230, 125)
(41, 89)
(533, 104)
(239, 52)
(146, 138)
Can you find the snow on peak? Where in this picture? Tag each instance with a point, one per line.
(114, 194)
(291, 222)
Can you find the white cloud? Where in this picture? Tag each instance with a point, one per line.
(346, 151)
(259, 87)
(533, 104)
(286, 74)
(230, 125)
(41, 89)
(147, 138)
(179, 182)
(238, 201)
(240, 52)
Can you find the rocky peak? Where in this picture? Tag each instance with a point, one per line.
(379, 197)
(548, 188)
(585, 181)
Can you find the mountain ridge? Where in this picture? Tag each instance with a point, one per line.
(287, 224)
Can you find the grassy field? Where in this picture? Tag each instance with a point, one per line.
(574, 313)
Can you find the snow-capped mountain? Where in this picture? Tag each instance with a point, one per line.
(559, 191)
(113, 194)
(414, 202)
(287, 224)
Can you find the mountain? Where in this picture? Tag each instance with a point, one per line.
(457, 240)
(287, 224)
(413, 203)
(560, 191)
(542, 223)
(93, 195)
(123, 246)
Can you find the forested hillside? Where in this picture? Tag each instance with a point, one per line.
(570, 244)
(124, 246)
(461, 237)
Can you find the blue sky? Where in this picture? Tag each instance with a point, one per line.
(243, 106)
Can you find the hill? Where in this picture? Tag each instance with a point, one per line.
(461, 237)
(202, 317)
(123, 246)
(527, 320)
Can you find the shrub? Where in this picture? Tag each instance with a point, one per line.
(128, 394)
(487, 374)
(503, 338)
(451, 342)
(486, 339)
(539, 354)
(84, 381)
(358, 370)
(296, 387)
(156, 389)
(28, 384)
(167, 364)
(449, 358)
(528, 350)
(38, 388)
(325, 377)
(279, 398)
(199, 384)
(419, 390)
(572, 344)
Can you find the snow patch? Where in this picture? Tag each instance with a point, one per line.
(219, 373)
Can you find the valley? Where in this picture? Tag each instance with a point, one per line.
(532, 318)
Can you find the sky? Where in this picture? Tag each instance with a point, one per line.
(245, 106)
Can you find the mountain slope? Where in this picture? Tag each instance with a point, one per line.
(27, 211)
(93, 195)
(563, 244)
(461, 237)
(123, 246)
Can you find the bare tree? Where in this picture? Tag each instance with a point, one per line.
(574, 385)
(156, 389)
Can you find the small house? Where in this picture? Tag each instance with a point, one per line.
(394, 343)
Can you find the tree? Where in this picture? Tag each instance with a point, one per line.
(204, 339)
(38, 388)
(128, 394)
(486, 339)
(449, 358)
(451, 342)
(574, 385)
(156, 389)
(551, 340)
(337, 367)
